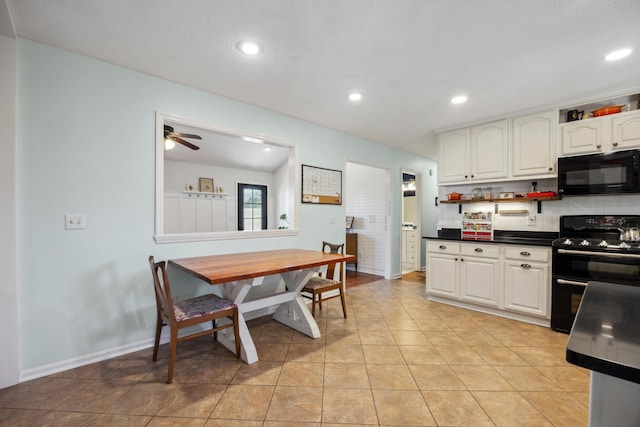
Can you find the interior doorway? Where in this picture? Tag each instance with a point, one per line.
(411, 222)
(367, 198)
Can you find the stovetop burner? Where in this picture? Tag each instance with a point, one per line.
(599, 233)
(591, 244)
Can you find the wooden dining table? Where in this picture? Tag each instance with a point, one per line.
(236, 274)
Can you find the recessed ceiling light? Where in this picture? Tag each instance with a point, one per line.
(460, 99)
(249, 47)
(267, 149)
(618, 54)
(250, 139)
(355, 96)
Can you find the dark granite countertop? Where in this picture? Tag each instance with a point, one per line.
(516, 237)
(605, 337)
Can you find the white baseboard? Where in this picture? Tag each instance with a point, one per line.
(76, 362)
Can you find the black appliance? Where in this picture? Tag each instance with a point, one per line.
(605, 248)
(610, 173)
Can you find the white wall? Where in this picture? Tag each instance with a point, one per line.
(282, 183)
(178, 174)
(86, 144)
(9, 363)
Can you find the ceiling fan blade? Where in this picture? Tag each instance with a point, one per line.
(185, 143)
(186, 135)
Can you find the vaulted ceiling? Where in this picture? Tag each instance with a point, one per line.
(408, 58)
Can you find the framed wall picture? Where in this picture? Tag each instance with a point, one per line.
(206, 185)
(321, 186)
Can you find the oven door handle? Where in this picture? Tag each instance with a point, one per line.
(604, 254)
(570, 282)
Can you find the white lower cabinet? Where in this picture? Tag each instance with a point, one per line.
(502, 278)
(442, 268)
(409, 249)
(480, 274)
(527, 280)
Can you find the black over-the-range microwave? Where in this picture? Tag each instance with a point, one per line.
(609, 173)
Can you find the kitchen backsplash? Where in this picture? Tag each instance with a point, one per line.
(547, 220)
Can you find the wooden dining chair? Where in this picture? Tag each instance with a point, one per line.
(330, 280)
(189, 312)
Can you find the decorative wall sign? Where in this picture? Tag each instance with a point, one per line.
(206, 185)
(321, 186)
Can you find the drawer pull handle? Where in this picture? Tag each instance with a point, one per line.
(478, 250)
(525, 253)
(525, 265)
(442, 247)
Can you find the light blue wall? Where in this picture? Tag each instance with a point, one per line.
(86, 145)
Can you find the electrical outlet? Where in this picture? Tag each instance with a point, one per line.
(531, 220)
(74, 222)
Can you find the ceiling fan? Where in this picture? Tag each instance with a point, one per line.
(177, 137)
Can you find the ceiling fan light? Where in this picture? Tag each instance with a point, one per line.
(618, 54)
(355, 96)
(169, 144)
(460, 99)
(249, 47)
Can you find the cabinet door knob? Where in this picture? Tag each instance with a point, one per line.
(550, 169)
(478, 250)
(461, 259)
(525, 266)
(471, 176)
(466, 176)
(525, 253)
(455, 259)
(442, 247)
(598, 146)
(615, 144)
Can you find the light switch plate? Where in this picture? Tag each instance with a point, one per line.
(74, 222)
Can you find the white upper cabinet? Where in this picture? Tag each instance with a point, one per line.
(453, 149)
(582, 137)
(489, 151)
(602, 134)
(534, 145)
(626, 131)
(474, 154)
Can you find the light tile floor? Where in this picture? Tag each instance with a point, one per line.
(397, 360)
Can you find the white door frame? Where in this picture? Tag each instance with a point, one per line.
(417, 263)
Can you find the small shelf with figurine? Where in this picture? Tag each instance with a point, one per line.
(599, 108)
(204, 194)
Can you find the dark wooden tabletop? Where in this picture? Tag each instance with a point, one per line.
(217, 269)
